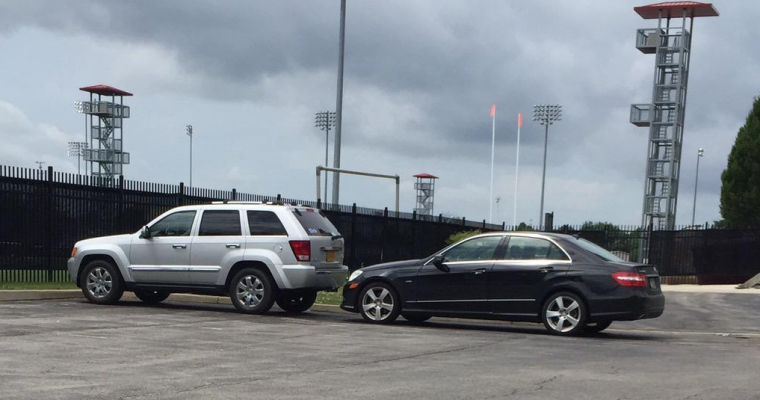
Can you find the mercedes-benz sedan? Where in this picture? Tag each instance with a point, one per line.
(569, 284)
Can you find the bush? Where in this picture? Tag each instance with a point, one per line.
(461, 236)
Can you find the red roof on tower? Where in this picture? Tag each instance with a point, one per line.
(424, 175)
(674, 9)
(105, 90)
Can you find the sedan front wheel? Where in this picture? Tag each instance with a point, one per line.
(379, 303)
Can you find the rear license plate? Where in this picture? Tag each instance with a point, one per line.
(330, 256)
(654, 283)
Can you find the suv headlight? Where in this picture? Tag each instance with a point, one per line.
(355, 275)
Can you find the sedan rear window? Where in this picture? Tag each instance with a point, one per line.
(314, 222)
(597, 250)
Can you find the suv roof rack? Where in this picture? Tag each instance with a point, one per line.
(246, 202)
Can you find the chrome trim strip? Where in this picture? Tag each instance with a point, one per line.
(205, 268)
(503, 300)
(446, 301)
(157, 268)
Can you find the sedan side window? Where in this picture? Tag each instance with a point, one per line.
(220, 223)
(177, 224)
(482, 248)
(527, 248)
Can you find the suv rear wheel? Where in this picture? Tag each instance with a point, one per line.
(101, 282)
(296, 302)
(151, 296)
(251, 291)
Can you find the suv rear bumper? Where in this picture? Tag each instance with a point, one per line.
(309, 277)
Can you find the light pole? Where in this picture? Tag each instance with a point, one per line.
(493, 147)
(517, 169)
(40, 164)
(189, 132)
(76, 149)
(339, 104)
(325, 120)
(545, 114)
(700, 154)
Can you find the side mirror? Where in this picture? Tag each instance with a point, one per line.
(145, 233)
(438, 262)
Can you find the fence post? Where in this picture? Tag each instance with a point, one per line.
(181, 194)
(464, 221)
(353, 234)
(319, 205)
(279, 198)
(234, 194)
(484, 224)
(440, 218)
(503, 225)
(650, 229)
(121, 201)
(382, 235)
(414, 233)
(49, 222)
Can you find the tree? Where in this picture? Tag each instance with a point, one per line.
(456, 237)
(740, 190)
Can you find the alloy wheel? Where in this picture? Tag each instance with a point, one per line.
(99, 282)
(378, 303)
(250, 291)
(563, 314)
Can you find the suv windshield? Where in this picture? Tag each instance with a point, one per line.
(314, 222)
(597, 250)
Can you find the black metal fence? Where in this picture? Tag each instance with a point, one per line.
(43, 213)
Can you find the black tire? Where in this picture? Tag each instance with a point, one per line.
(296, 302)
(387, 299)
(101, 282)
(596, 327)
(416, 318)
(566, 320)
(151, 296)
(252, 291)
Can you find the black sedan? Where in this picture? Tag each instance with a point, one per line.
(568, 283)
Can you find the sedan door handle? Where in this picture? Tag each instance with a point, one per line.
(480, 271)
(179, 246)
(546, 269)
(232, 246)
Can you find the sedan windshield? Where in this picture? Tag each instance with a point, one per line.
(597, 250)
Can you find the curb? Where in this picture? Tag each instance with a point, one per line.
(26, 295)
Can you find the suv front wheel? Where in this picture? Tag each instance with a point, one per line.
(251, 291)
(101, 282)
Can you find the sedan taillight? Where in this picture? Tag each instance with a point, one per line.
(631, 279)
(301, 249)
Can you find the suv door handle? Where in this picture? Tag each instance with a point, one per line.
(179, 246)
(232, 246)
(480, 271)
(546, 269)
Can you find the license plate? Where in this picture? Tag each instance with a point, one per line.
(653, 283)
(330, 256)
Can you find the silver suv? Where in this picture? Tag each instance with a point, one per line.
(256, 253)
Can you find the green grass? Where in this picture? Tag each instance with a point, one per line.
(330, 298)
(36, 285)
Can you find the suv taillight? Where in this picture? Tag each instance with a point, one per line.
(301, 249)
(631, 279)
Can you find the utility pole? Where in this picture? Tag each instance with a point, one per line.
(700, 154)
(339, 104)
(545, 114)
(189, 132)
(325, 120)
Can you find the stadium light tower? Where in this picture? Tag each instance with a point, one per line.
(325, 120)
(545, 114)
(76, 149)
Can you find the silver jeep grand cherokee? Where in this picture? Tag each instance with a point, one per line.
(256, 253)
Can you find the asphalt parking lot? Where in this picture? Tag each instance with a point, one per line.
(706, 346)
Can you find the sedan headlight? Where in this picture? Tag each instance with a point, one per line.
(355, 275)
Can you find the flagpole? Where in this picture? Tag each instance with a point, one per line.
(517, 171)
(493, 145)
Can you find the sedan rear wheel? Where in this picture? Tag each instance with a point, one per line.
(564, 314)
(379, 303)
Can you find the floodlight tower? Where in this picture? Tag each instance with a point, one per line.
(105, 136)
(671, 44)
(425, 187)
(545, 114)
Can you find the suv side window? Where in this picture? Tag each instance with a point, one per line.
(220, 223)
(177, 224)
(476, 249)
(527, 248)
(265, 223)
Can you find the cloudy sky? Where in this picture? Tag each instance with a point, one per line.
(420, 77)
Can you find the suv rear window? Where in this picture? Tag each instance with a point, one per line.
(314, 222)
(220, 223)
(265, 223)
